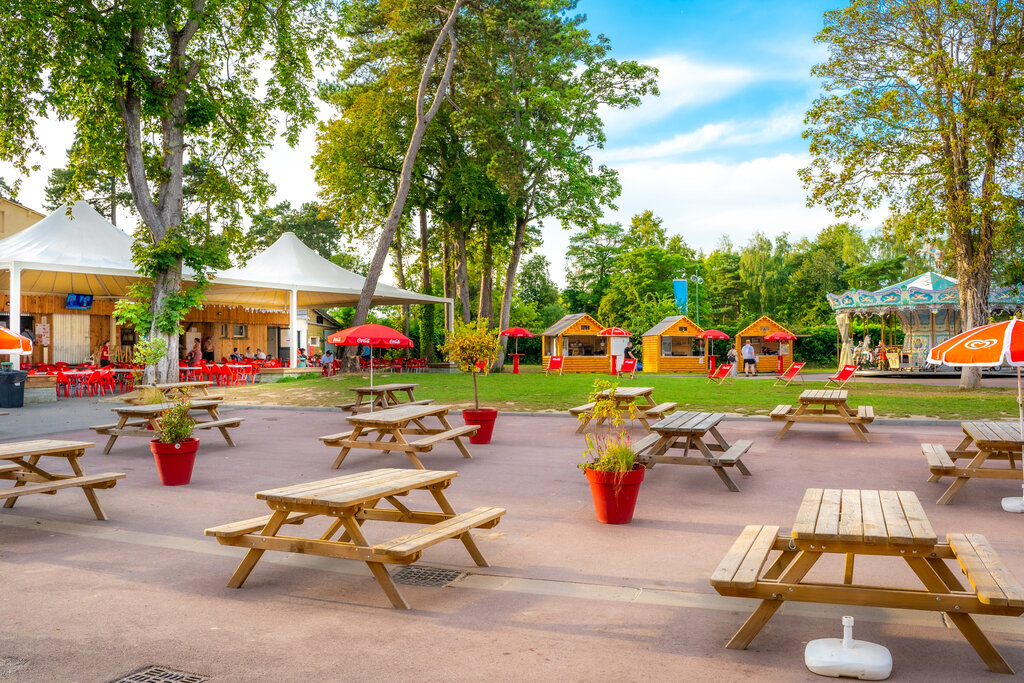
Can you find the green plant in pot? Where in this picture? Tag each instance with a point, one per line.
(473, 347)
(174, 449)
(609, 460)
(147, 352)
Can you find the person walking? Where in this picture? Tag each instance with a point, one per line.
(731, 359)
(749, 360)
(105, 354)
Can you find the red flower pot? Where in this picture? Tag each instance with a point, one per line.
(615, 493)
(174, 460)
(483, 417)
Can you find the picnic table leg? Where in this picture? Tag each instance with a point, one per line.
(467, 540)
(756, 621)
(841, 410)
(848, 569)
(356, 431)
(30, 466)
(379, 571)
(253, 556)
(90, 494)
(961, 479)
(719, 470)
(215, 415)
(121, 421)
(800, 410)
(458, 440)
(587, 417)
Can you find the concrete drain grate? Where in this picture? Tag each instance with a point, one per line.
(160, 674)
(425, 576)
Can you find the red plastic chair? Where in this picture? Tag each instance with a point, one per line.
(628, 366)
(723, 373)
(93, 385)
(790, 374)
(847, 373)
(554, 363)
(65, 382)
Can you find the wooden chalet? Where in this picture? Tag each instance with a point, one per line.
(672, 346)
(575, 338)
(768, 352)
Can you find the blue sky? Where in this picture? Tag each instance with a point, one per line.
(715, 155)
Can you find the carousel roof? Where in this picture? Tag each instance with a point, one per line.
(928, 290)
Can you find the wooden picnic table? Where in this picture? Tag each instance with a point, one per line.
(394, 423)
(172, 389)
(348, 502)
(135, 420)
(624, 397)
(869, 524)
(382, 396)
(687, 430)
(993, 442)
(833, 408)
(30, 477)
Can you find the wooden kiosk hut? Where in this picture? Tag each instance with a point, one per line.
(768, 352)
(672, 346)
(575, 339)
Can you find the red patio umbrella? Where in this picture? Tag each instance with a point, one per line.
(780, 336)
(712, 334)
(13, 344)
(371, 335)
(614, 332)
(516, 332)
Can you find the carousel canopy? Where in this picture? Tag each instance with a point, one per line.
(928, 290)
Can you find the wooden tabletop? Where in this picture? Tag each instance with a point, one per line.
(381, 388)
(683, 423)
(20, 449)
(628, 392)
(886, 517)
(180, 385)
(156, 408)
(824, 396)
(398, 415)
(355, 489)
(994, 435)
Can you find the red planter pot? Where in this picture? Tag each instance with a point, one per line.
(615, 493)
(174, 460)
(483, 417)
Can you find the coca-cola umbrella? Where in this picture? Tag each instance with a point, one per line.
(373, 336)
(989, 346)
(516, 332)
(614, 332)
(13, 344)
(712, 334)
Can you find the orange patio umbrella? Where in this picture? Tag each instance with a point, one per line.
(13, 344)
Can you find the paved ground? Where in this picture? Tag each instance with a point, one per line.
(565, 598)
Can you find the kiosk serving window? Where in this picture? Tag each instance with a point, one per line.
(584, 345)
(680, 346)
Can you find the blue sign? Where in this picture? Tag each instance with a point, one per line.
(679, 290)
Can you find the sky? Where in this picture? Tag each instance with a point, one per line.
(715, 155)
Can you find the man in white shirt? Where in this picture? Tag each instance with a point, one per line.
(749, 359)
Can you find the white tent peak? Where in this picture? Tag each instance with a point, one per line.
(83, 240)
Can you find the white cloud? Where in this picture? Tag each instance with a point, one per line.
(683, 83)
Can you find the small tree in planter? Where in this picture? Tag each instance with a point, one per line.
(610, 462)
(174, 449)
(147, 352)
(473, 347)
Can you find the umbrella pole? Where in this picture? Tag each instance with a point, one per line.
(1017, 504)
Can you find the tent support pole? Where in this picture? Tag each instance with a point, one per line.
(293, 324)
(449, 314)
(14, 322)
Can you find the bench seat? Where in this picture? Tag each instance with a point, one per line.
(250, 526)
(735, 452)
(330, 439)
(742, 564)
(579, 410)
(89, 481)
(104, 429)
(645, 443)
(417, 541)
(781, 411)
(428, 442)
(226, 422)
(660, 409)
(939, 461)
(991, 579)
(866, 413)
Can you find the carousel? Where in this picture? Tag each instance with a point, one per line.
(927, 310)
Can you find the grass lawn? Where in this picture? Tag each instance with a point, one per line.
(534, 391)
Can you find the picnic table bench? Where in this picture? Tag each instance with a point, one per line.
(833, 408)
(348, 502)
(30, 477)
(993, 442)
(869, 524)
(645, 406)
(687, 430)
(394, 423)
(382, 396)
(136, 420)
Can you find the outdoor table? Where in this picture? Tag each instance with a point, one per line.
(30, 477)
(381, 396)
(171, 389)
(624, 397)
(515, 362)
(149, 415)
(394, 423)
(833, 409)
(687, 430)
(245, 371)
(869, 524)
(188, 371)
(993, 442)
(348, 502)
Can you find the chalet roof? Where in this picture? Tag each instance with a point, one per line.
(746, 331)
(562, 325)
(669, 322)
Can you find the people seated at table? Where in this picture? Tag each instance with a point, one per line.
(208, 350)
(248, 353)
(327, 359)
(236, 357)
(259, 354)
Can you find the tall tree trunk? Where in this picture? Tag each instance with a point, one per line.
(113, 200)
(400, 274)
(448, 278)
(427, 317)
(485, 303)
(462, 271)
(423, 118)
(510, 281)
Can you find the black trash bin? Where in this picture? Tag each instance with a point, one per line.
(12, 388)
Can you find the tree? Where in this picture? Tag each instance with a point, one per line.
(316, 230)
(534, 283)
(762, 268)
(923, 107)
(589, 263)
(106, 191)
(150, 86)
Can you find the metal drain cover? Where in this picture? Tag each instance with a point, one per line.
(161, 674)
(425, 576)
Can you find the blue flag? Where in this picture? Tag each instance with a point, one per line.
(679, 289)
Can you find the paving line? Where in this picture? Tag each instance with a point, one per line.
(543, 587)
